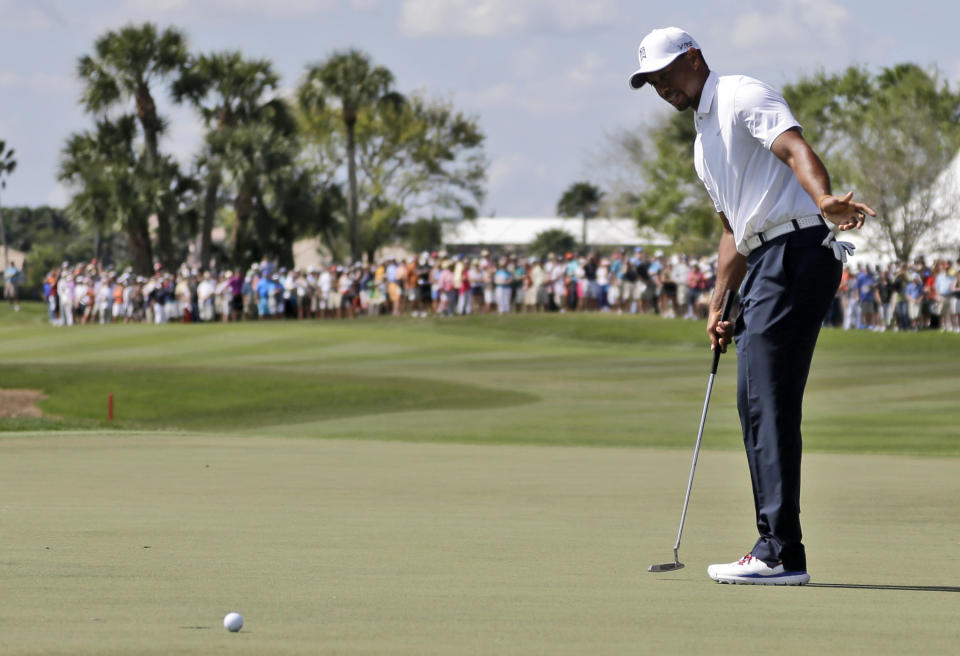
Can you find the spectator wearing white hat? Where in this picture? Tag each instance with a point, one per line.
(464, 290)
(537, 299)
(943, 285)
(955, 295)
(103, 299)
(120, 295)
(679, 271)
(65, 290)
(475, 277)
(489, 270)
(324, 289)
(502, 279)
(206, 290)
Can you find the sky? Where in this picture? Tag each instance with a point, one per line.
(545, 79)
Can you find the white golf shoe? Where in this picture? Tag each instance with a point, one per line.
(753, 571)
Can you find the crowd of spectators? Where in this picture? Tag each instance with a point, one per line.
(895, 297)
(899, 297)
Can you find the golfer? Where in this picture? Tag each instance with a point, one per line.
(773, 194)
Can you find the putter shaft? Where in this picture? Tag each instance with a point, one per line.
(666, 567)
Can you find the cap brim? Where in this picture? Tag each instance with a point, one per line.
(639, 77)
(637, 80)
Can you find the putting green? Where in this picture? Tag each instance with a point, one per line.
(140, 543)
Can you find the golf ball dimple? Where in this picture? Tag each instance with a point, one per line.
(233, 622)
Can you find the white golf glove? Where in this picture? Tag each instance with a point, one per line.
(840, 248)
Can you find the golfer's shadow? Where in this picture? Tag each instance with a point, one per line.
(867, 586)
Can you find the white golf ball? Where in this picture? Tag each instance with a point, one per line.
(233, 622)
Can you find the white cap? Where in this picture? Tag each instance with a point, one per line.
(658, 49)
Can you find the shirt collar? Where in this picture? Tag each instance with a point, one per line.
(708, 93)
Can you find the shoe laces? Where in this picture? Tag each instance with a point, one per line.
(745, 560)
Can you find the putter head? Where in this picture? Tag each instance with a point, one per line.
(666, 567)
(669, 567)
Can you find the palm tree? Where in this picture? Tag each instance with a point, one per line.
(255, 155)
(7, 165)
(228, 91)
(580, 199)
(103, 167)
(349, 79)
(125, 66)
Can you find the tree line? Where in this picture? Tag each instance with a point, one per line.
(347, 157)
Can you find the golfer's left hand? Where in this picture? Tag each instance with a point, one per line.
(843, 211)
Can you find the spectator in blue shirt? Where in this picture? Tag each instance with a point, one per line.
(914, 300)
(867, 298)
(264, 289)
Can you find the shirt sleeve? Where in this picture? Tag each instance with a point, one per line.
(763, 111)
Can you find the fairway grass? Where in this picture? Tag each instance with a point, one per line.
(578, 380)
(140, 544)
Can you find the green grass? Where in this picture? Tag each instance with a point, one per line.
(460, 506)
(562, 380)
(139, 544)
(185, 398)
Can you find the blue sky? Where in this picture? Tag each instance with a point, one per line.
(546, 79)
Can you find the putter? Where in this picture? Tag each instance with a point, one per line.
(676, 564)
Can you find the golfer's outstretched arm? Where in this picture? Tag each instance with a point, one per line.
(731, 268)
(794, 151)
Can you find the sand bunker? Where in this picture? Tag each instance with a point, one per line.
(20, 403)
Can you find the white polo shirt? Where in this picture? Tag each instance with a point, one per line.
(737, 121)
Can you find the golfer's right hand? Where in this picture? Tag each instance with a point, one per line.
(844, 212)
(719, 332)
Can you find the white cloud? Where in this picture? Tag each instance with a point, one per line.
(28, 16)
(791, 23)
(423, 18)
(503, 169)
(38, 82)
(528, 63)
(513, 174)
(587, 70)
(264, 8)
(365, 5)
(540, 87)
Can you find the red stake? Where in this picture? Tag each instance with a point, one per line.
(110, 407)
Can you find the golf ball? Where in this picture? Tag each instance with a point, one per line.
(233, 622)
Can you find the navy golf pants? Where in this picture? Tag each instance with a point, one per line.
(788, 288)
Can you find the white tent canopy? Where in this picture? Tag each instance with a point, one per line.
(943, 242)
(509, 231)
